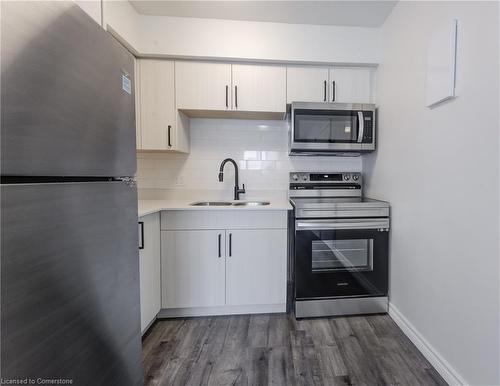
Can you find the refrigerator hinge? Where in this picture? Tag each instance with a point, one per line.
(130, 181)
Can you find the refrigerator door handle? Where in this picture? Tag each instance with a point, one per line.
(141, 238)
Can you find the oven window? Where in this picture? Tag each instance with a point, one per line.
(346, 254)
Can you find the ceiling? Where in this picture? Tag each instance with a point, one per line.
(343, 13)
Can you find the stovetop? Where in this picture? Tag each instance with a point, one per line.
(332, 195)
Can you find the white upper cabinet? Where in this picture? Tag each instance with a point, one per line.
(230, 90)
(160, 126)
(350, 85)
(169, 91)
(307, 84)
(334, 84)
(259, 88)
(157, 103)
(202, 85)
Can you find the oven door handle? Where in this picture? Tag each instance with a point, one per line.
(301, 225)
(361, 126)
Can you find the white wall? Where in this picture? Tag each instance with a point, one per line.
(439, 170)
(262, 41)
(239, 40)
(259, 147)
(92, 7)
(121, 19)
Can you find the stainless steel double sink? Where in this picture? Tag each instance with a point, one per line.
(230, 203)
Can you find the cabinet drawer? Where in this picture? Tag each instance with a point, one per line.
(226, 219)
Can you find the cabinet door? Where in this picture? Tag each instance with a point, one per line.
(193, 268)
(256, 266)
(350, 85)
(157, 113)
(259, 88)
(149, 268)
(306, 84)
(203, 86)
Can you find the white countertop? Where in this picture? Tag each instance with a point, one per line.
(146, 207)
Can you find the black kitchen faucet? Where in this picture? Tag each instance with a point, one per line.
(237, 190)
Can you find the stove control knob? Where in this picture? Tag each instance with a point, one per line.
(295, 177)
(346, 177)
(355, 177)
(304, 178)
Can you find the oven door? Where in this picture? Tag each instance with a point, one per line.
(341, 257)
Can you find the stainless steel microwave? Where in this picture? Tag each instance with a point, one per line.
(331, 128)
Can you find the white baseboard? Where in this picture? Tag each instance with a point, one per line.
(222, 310)
(449, 374)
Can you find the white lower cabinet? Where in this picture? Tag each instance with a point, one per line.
(223, 271)
(149, 268)
(255, 266)
(193, 271)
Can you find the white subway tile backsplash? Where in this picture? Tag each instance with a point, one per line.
(259, 147)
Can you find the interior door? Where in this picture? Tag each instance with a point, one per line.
(259, 88)
(256, 266)
(70, 283)
(67, 94)
(193, 268)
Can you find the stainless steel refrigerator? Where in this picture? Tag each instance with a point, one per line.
(69, 240)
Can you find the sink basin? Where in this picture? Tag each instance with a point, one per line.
(227, 203)
(251, 203)
(211, 203)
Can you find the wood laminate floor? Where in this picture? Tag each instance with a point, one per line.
(276, 349)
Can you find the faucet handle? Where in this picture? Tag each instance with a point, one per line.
(243, 188)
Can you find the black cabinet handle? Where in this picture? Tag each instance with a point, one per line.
(168, 136)
(236, 96)
(141, 241)
(227, 95)
(220, 238)
(333, 91)
(230, 244)
(324, 97)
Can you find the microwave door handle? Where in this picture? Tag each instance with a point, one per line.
(361, 126)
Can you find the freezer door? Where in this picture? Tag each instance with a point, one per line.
(70, 283)
(67, 94)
